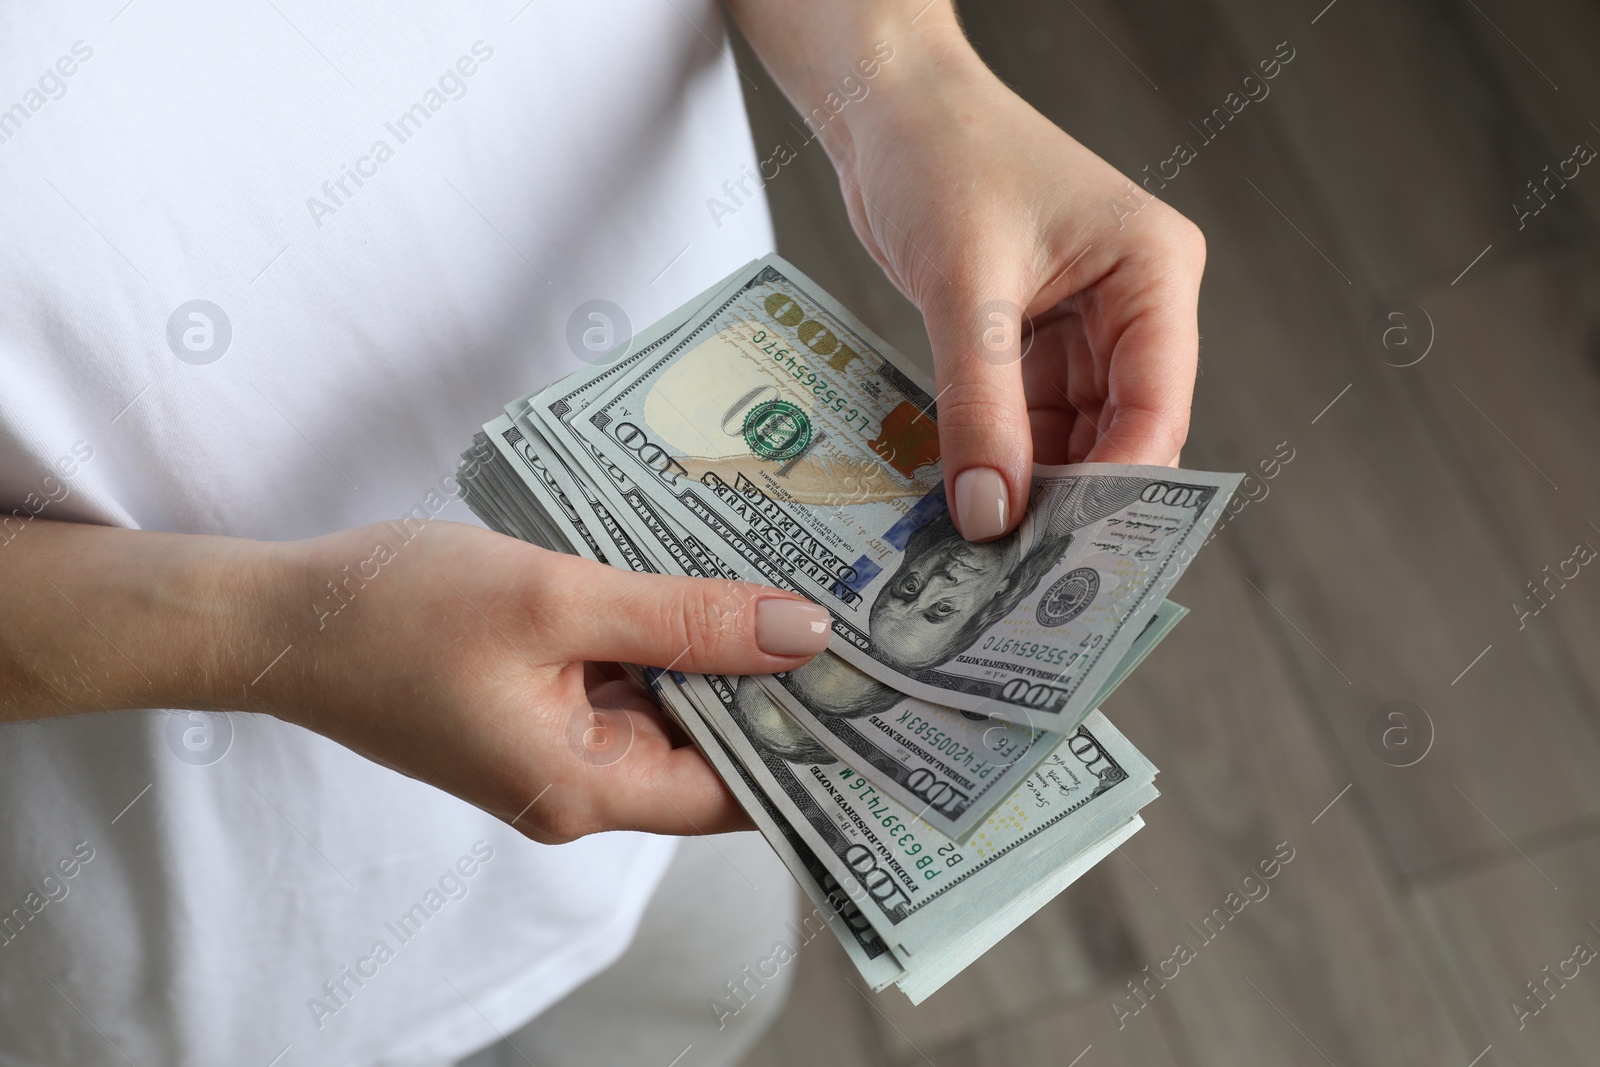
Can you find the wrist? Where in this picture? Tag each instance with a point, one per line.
(841, 64)
(923, 76)
(209, 615)
(125, 619)
(322, 629)
(295, 626)
(251, 630)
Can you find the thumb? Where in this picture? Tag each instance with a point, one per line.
(984, 441)
(701, 625)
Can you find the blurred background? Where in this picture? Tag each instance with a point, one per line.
(1391, 665)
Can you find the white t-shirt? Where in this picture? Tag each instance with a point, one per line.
(396, 207)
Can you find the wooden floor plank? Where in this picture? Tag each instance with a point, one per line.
(1405, 136)
(1074, 1037)
(1326, 962)
(1543, 54)
(826, 1019)
(1499, 929)
(1516, 383)
(1524, 339)
(1071, 949)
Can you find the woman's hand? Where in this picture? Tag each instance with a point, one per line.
(487, 667)
(1060, 298)
(471, 661)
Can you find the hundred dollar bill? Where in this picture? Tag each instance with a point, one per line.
(531, 514)
(512, 451)
(839, 903)
(778, 429)
(546, 478)
(843, 904)
(952, 768)
(1069, 805)
(834, 901)
(930, 743)
(637, 537)
(914, 881)
(920, 885)
(950, 958)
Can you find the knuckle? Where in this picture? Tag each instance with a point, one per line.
(696, 619)
(564, 822)
(1158, 434)
(976, 409)
(557, 829)
(1173, 432)
(1187, 240)
(716, 615)
(983, 426)
(1178, 432)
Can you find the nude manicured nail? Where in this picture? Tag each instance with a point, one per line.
(791, 627)
(982, 504)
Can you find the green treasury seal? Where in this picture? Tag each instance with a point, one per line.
(777, 430)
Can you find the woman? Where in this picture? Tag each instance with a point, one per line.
(265, 271)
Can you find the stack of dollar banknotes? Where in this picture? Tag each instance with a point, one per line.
(942, 771)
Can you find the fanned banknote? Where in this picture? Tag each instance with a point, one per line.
(942, 772)
(951, 767)
(773, 426)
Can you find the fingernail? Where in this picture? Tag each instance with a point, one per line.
(791, 627)
(981, 503)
